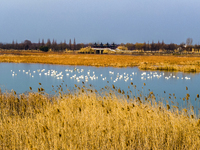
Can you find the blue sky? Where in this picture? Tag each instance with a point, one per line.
(119, 21)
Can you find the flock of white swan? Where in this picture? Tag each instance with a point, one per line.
(79, 75)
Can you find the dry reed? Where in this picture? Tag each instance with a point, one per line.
(85, 120)
(168, 63)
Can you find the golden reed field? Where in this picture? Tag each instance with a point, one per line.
(87, 119)
(169, 63)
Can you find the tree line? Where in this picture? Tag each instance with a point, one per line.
(53, 45)
(63, 46)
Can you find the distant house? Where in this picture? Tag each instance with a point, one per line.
(107, 45)
(99, 48)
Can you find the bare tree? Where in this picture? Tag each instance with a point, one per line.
(54, 45)
(61, 46)
(42, 42)
(74, 48)
(13, 44)
(39, 43)
(64, 45)
(70, 44)
(189, 44)
(48, 44)
(189, 41)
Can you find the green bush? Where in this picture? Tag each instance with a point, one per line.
(44, 48)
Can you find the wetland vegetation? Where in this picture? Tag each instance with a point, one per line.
(85, 119)
(169, 63)
(182, 57)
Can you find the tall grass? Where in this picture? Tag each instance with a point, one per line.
(86, 120)
(169, 63)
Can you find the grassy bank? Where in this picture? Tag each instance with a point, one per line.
(168, 63)
(86, 120)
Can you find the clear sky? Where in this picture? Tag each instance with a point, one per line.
(119, 21)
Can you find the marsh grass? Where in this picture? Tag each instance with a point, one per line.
(168, 63)
(85, 119)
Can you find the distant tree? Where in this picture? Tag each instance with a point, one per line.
(20, 46)
(152, 46)
(139, 46)
(44, 48)
(197, 47)
(89, 44)
(70, 44)
(107, 45)
(130, 46)
(42, 42)
(104, 45)
(113, 45)
(27, 44)
(48, 44)
(16, 45)
(122, 44)
(13, 44)
(158, 46)
(79, 46)
(64, 45)
(54, 45)
(172, 46)
(101, 45)
(34, 46)
(74, 45)
(145, 46)
(189, 44)
(60, 46)
(162, 45)
(1, 45)
(95, 44)
(148, 46)
(39, 43)
(189, 41)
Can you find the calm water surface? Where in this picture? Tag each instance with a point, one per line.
(20, 77)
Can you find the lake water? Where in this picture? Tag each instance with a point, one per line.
(20, 77)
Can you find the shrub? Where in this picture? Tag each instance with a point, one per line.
(44, 48)
(87, 50)
(107, 51)
(122, 48)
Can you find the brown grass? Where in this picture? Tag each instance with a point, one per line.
(85, 120)
(168, 63)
